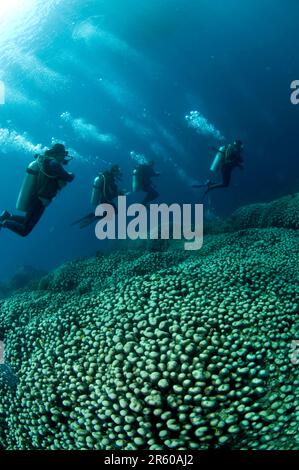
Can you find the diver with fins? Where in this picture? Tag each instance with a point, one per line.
(142, 181)
(105, 190)
(45, 177)
(227, 159)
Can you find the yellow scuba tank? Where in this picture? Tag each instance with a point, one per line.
(218, 160)
(29, 187)
(98, 190)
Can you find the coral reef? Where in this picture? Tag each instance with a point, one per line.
(158, 350)
(25, 277)
(283, 212)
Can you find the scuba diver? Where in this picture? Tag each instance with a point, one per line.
(227, 158)
(44, 179)
(142, 181)
(105, 190)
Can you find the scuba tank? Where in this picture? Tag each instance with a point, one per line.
(29, 187)
(98, 190)
(218, 160)
(135, 182)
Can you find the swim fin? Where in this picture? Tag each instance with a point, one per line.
(5, 216)
(203, 185)
(88, 221)
(83, 219)
(204, 196)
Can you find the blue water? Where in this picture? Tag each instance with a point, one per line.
(114, 76)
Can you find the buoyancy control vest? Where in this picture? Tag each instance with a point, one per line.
(48, 185)
(142, 176)
(225, 156)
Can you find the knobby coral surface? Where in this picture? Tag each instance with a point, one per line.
(158, 350)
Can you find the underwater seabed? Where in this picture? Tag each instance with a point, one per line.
(161, 349)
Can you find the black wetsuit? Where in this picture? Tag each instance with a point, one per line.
(23, 225)
(145, 175)
(108, 195)
(112, 191)
(232, 160)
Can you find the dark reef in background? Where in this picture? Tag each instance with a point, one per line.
(24, 276)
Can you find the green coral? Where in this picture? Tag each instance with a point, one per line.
(158, 350)
(283, 212)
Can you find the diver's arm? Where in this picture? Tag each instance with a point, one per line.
(58, 171)
(151, 173)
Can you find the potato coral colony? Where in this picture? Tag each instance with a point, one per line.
(159, 350)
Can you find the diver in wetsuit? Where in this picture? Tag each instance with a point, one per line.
(105, 190)
(45, 178)
(227, 159)
(142, 181)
